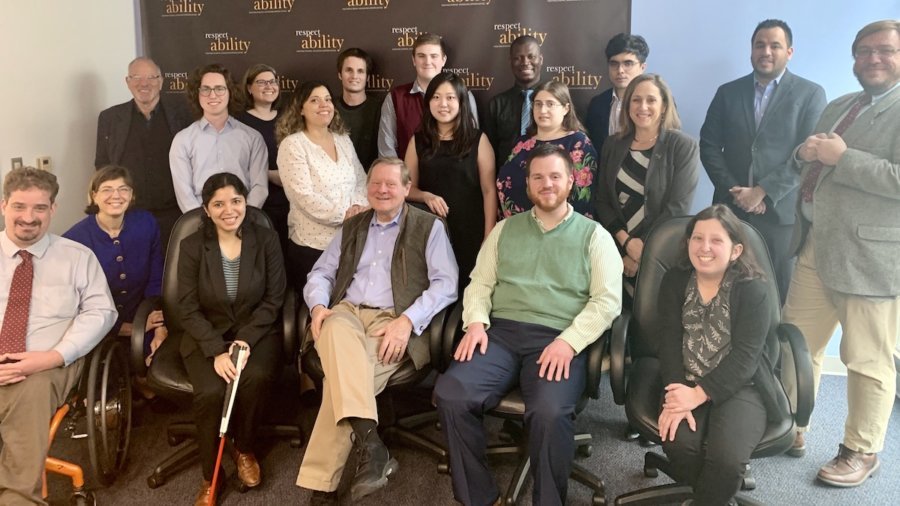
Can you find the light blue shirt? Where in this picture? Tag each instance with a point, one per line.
(199, 151)
(371, 284)
(762, 95)
(71, 307)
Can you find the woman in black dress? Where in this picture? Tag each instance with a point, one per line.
(451, 166)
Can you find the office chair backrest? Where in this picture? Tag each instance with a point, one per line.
(186, 225)
(662, 252)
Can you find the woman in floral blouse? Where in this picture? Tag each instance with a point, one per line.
(553, 121)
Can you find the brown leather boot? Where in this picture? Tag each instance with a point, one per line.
(247, 468)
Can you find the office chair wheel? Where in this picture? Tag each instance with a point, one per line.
(175, 440)
(155, 481)
(443, 468)
(584, 451)
(646, 443)
(82, 498)
(598, 500)
(650, 472)
(108, 411)
(630, 433)
(748, 483)
(296, 442)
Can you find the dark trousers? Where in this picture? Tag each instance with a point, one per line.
(730, 431)
(300, 262)
(778, 242)
(209, 397)
(166, 219)
(468, 389)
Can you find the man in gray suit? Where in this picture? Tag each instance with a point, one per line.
(751, 129)
(848, 236)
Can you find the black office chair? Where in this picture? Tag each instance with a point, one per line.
(405, 430)
(639, 388)
(511, 410)
(167, 376)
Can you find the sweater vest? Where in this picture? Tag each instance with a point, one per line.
(543, 278)
(408, 108)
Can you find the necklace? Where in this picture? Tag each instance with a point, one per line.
(646, 141)
(445, 136)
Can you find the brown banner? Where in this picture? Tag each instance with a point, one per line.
(302, 38)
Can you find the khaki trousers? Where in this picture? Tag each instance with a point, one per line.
(870, 326)
(353, 377)
(25, 412)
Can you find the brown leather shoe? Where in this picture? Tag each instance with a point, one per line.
(798, 449)
(247, 468)
(849, 469)
(204, 495)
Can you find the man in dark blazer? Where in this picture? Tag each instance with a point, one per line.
(138, 135)
(626, 58)
(751, 128)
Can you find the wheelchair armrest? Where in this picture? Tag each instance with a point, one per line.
(290, 337)
(618, 351)
(452, 327)
(803, 366)
(139, 330)
(435, 331)
(595, 352)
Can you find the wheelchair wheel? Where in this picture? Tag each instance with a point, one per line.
(108, 410)
(82, 498)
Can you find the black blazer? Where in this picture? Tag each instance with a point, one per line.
(754, 342)
(597, 119)
(209, 319)
(113, 125)
(669, 188)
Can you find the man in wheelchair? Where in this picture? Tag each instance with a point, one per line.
(55, 306)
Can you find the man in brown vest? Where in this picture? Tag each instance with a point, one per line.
(373, 291)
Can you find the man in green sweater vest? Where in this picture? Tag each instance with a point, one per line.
(547, 283)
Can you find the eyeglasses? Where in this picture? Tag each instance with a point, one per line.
(107, 191)
(140, 79)
(206, 90)
(627, 64)
(881, 52)
(264, 82)
(540, 104)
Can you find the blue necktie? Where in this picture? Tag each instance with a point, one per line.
(526, 111)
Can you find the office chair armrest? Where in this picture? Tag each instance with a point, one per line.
(138, 330)
(803, 366)
(618, 352)
(595, 352)
(290, 330)
(303, 320)
(452, 328)
(434, 332)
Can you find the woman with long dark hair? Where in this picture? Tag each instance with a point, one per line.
(451, 167)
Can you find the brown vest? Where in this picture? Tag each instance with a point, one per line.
(409, 268)
(409, 109)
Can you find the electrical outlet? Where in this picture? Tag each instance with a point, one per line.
(44, 163)
(17, 162)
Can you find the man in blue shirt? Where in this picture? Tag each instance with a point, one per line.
(372, 293)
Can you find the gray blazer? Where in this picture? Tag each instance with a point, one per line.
(857, 202)
(670, 184)
(735, 152)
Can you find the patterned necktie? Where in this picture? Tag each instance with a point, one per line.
(526, 111)
(812, 175)
(15, 319)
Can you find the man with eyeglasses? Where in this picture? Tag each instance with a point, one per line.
(138, 134)
(360, 111)
(847, 236)
(509, 113)
(746, 150)
(217, 142)
(626, 57)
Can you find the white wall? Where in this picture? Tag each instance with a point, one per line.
(63, 62)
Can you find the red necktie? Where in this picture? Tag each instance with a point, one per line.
(812, 175)
(15, 319)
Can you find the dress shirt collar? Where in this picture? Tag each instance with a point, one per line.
(10, 249)
(394, 221)
(776, 81)
(229, 122)
(569, 212)
(136, 110)
(416, 88)
(876, 98)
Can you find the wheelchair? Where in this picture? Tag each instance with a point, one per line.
(102, 403)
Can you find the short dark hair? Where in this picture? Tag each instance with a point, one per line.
(627, 43)
(521, 40)
(747, 265)
(429, 38)
(102, 175)
(356, 53)
(546, 150)
(250, 77)
(26, 178)
(213, 184)
(193, 89)
(774, 23)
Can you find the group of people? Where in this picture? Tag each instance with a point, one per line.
(385, 210)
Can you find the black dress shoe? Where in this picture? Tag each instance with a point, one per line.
(374, 465)
(320, 498)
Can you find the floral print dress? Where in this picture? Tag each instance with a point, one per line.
(511, 176)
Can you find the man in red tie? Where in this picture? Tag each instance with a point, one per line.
(847, 236)
(55, 307)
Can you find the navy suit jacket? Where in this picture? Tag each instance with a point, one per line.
(735, 152)
(597, 119)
